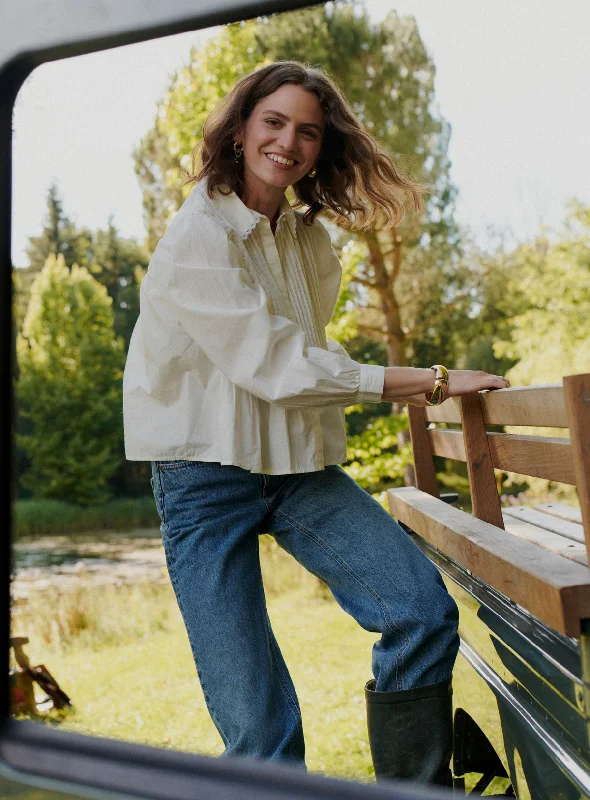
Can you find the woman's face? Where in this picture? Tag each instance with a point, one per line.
(287, 126)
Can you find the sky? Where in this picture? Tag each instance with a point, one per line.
(511, 78)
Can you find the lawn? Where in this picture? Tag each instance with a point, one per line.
(147, 690)
(121, 653)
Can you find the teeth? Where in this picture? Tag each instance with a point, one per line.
(289, 162)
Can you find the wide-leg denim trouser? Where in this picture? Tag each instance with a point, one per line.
(211, 515)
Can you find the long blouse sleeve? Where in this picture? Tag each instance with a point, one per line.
(198, 268)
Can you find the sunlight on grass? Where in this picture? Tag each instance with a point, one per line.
(122, 654)
(148, 691)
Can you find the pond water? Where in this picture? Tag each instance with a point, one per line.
(105, 557)
(45, 558)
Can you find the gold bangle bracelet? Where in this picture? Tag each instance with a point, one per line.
(441, 386)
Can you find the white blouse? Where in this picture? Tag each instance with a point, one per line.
(229, 360)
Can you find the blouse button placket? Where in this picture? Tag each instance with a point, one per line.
(274, 262)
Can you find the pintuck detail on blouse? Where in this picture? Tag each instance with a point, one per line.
(229, 360)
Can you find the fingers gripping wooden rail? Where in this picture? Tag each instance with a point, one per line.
(527, 556)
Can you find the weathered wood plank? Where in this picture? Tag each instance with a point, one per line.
(553, 588)
(541, 456)
(542, 406)
(561, 511)
(482, 481)
(547, 539)
(577, 399)
(571, 530)
(449, 411)
(422, 452)
(448, 444)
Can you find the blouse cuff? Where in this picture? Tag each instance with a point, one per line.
(371, 383)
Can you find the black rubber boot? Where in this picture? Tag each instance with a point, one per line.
(411, 733)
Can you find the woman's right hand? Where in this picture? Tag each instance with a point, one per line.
(466, 381)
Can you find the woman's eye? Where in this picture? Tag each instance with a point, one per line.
(306, 131)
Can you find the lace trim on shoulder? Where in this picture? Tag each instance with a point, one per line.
(204, 205)
(252, 225)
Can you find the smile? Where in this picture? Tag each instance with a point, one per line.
(287, 162)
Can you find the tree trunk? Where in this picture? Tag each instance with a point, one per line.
(384, 284)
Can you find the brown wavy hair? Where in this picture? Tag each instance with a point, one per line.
(355, 178)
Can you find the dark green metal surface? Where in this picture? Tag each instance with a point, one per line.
(524, 684)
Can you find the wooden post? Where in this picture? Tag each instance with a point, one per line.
(482, 481)
(576, 390)
(422, 449)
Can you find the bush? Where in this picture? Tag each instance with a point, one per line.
(34, 517)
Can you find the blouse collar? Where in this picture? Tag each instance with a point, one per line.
(243, 219)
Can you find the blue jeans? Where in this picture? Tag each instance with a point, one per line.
(211, 516)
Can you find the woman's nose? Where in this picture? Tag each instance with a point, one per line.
(288, 139)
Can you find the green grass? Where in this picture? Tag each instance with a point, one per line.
(34, 517)
(122, 655)
(147, 690)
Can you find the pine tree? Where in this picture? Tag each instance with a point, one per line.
(59, 236)
(69, 385)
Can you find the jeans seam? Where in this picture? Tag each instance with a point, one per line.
(263, 491)
(159, 474)
(390, 624)
(175, 585)
(291, 702)
(163, 467)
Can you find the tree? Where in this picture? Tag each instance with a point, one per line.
(119, 263)
(549, 336)
(69, 385)
(387, 75)
(59, 236)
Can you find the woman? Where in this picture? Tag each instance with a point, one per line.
(235, 395)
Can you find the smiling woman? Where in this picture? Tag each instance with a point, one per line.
(299, 115)
(236, 396)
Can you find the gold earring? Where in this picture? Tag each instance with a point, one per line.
(238, 150)
(312, 173)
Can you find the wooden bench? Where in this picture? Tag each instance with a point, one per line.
(537, 557)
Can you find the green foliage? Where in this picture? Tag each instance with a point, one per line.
(551, 334)
(117, 262)
(383, 69)
(344, 323)
(374, 458)
(41, 517)
(69, 385)
(60, 236)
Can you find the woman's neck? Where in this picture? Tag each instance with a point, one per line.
(264, 199)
